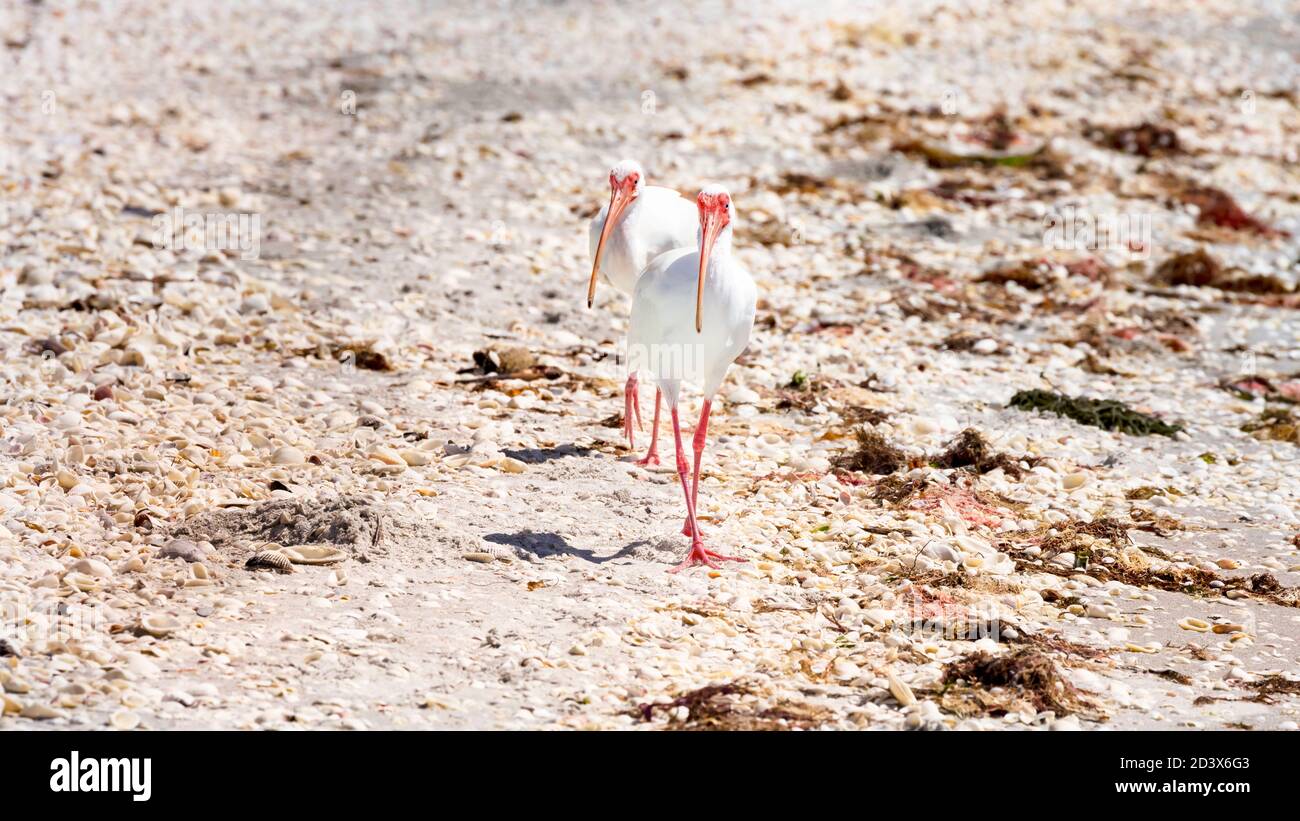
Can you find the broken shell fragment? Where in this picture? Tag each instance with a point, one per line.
(313, 554)
(1195, 624)
(158, 625)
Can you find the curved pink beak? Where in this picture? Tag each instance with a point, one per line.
(620, 198)
(711, 224)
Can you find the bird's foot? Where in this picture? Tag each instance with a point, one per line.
(651, 458)
(628, 432)
(686, 528)
(631, 413)
(700, 555)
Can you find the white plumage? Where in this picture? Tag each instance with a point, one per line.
(653, 221)
(692, 313)
(638, 223)
(662, 338)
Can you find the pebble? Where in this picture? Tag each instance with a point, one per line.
(182, 549)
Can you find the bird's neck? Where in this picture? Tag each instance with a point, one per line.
(721, 253)
(632, 212)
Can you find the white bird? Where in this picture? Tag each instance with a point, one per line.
(692, 313)
(639, 223)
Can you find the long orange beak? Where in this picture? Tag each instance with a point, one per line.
(619, 199)
(710, 226)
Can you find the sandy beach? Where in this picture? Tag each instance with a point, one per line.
(304, 421)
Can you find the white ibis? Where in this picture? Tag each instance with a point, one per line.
(639, 223)
(692, 313)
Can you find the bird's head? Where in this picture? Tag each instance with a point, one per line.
(627, 175)
(626, 181)
(716, 213)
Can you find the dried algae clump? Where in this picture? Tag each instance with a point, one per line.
(1196, 268)
(1107, 414)
(874, 455)
(1201, 270)
(724, 707)
(971, 450)
(1269, 686)
(1032, 275)
(1218, 208)
(1143, 140)
(1029, 674)
(1275, 424)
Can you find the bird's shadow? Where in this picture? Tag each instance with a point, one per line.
(553, 544)
(535, 456)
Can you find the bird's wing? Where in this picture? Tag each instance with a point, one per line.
(661, 191)
(678, 221)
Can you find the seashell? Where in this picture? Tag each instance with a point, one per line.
(181, 549)
(269, 560)
(1224, 629)
(124, 720)
(457, 461)
(387, 456)
(512, 465)
(158, 625)
(313, 554)
(899, 689)
(92, 567)
(478, 556)
(845, 669)
(82, 582)
(10, 706)
(1074, 481)
(41, 712)
(1195, 624)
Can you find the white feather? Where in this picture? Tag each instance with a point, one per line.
(662, 338)
(658, 220)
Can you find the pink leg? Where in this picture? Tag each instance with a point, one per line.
(701, 435)
(652, 456)
(698, 554)
(631, 409)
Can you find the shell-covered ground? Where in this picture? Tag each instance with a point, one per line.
(371, 363)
